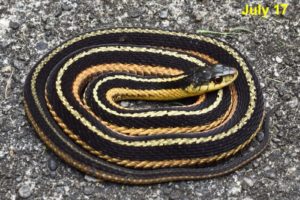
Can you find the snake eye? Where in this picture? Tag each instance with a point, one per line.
(218, 80)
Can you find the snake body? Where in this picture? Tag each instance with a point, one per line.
(72, 95)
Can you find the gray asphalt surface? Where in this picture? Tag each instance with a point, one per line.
(29, 29)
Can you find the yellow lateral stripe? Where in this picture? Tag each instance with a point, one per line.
(170, 130)
(119, 67)
(115, 95)
(153, 163)
(150, 113)
(111, 177)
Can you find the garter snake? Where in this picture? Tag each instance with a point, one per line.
(72, 100)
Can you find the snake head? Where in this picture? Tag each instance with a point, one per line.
(206, 79)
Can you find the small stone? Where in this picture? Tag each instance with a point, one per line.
(134, 13)
(183, 20)
(4, 44)
(19, 179)
(278, 59)
(4, 24)
(294, 154)
(251, 149)
(276, 140)
(271, 175)
(34, 173)
(41, 45)
(52, 164)
(243, 38)
(200, 15)
(248, 181)
(163, 14)
(88, 190)
(2, 154)
(124, 104)
(235, 190)
(66, 7)
(293, 102)
(165, 23)
(175, 195)
(278, 113)
(260, 136)
(17, 63)
(90, 179)
(2, 121)
(280, 92)
(291, 170)
(14, 25)
(280, 134)
(6, 69)
(58, 12)
(52, 174)
(286, 97)
(25, 191)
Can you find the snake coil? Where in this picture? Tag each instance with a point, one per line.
(72, 94)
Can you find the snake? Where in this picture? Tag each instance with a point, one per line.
(75, 98)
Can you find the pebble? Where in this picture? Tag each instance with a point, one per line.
(163, 14)
(6, 69)
(280, 92)
(52, 174)
(271, 175)
(260, 136)
(90, 179)
(278, 59)
(248, 181)
(52, 164)
(1, 120)
(278, 113)
(199, 15)
(280, 134)
(124, 104)
(165, 23)
(291, 170)
(2, 154)
(66, 7)
(57, 11)
(134, 13)
(175, 195)
(4, 24)
(4, 44)
(88, 190)
(18, 64)
(293, 102)
(14, 25)
(19, 179)
(235, 190)
(25, 191)
(276, 140)
(41, 45)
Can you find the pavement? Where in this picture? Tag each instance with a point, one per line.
(29, 29)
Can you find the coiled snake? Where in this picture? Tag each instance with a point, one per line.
(72, 100)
